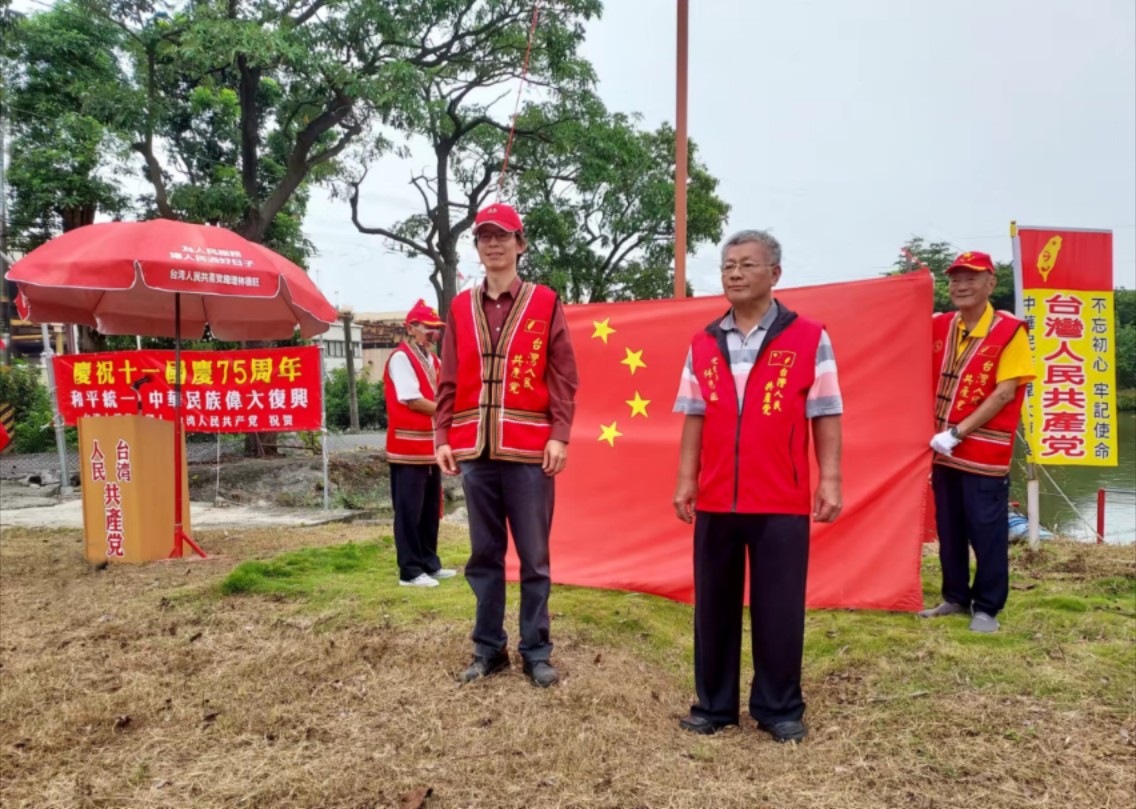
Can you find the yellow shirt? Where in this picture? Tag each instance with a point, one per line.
(1016, 361)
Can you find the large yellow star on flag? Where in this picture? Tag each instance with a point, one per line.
(638, 405)
(603, 329)
(608, 433)
(633, 360)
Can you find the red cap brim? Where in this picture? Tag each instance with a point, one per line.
(502, 225)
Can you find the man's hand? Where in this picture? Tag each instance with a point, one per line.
(944, 443)
(827, 503)
(555, 457)
(686, 495)
(445, 457)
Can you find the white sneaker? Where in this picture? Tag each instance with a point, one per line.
(421, 580)
(444, 573)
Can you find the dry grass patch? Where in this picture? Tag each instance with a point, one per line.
(317, 682)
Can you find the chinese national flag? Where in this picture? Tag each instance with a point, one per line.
(614, 523)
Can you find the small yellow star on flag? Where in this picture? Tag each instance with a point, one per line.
(633, 360)
(603, 329)
(638, 405)
(608, 433)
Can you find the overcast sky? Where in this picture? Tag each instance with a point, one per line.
(846, 128)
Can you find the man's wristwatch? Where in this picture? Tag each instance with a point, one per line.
(955, 434)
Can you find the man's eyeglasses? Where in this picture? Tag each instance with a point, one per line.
(491, 236)
(745, 266)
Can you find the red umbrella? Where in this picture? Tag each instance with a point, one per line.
(127, 277)
(165, 278)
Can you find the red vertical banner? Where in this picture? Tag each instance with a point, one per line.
(1067, 300)
(615, 526)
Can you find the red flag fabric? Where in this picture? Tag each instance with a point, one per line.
(614, 523)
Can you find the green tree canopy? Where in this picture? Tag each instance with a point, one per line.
(937, 257)
(65, 164)
(599, 202)
(1126, 338)
(459, 112)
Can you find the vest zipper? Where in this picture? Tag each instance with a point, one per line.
(793, 463)
(774, 331)
(738, 449)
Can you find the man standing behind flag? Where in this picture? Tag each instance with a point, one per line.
(754, 380)
(410, 382)
(506, 399)
(981, 362)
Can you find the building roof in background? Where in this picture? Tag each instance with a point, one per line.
(380, 317)
(383, 333)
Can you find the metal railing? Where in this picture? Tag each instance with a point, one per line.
(1102, 500)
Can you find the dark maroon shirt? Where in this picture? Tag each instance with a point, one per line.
(559, 374)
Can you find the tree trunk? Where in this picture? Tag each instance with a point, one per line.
(349, 355)
(260, 445)
(449, 289)
(77, 216)
(448, 270)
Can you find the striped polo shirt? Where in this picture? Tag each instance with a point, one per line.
(824, 395)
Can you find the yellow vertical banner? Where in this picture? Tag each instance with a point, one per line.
(1065, 277)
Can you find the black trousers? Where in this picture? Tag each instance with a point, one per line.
(416, 490)
(970, 511)
(504, 496)
(778, 546)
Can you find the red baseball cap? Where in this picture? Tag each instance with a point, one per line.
(979, 262)
(424, 314)
(503, 216)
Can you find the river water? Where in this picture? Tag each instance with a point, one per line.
(1080, 485)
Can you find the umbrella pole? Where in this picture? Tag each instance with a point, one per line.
(180, 536)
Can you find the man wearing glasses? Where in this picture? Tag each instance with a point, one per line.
(505, 405)
(754, 382)
(410, 381)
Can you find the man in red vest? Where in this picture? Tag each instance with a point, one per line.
(410, 381)
(505, 405)
(755, 382)
(981, 364)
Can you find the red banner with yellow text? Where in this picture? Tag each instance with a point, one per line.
(614, 524)
(1067, 300)
(254, 390)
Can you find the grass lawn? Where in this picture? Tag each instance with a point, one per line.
(293, 671)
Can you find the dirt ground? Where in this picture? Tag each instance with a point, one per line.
(359, 480)
(142, 687)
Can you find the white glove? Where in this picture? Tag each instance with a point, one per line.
(944, 443)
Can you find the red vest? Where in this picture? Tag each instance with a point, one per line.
(410, 435)
(756, 461)
(501, 401)
(963, 382)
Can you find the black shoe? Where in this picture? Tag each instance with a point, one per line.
(792, 730)
(484, 667)
(541, 673)
(703, 726)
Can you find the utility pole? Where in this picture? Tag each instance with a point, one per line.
(683, 26)
(5, 303)
(348, 352)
